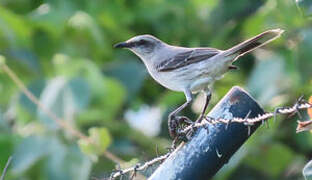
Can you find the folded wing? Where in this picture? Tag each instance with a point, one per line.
(186, 58)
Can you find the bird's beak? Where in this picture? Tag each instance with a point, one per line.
(122, 45)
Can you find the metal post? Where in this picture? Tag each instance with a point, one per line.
(208, 151)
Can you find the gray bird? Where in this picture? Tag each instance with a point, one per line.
(190, 70)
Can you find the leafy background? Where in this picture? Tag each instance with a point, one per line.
(62, 51)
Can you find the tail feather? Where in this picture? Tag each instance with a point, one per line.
(253, 43)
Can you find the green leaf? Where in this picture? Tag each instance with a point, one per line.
(100, 138)
(28, 152)
(121, 71)
(51, 19)
(4, 126)
(171, 99)
(303, 140)
(304, 55)
(64, 98)
(106, 94)
(14, 31)
(26, 58)
(264, 83)
(68, 163)
(235, 10)
(129, 164)
(80, 92)
(7, 142)
(305, 6)
(35, 88)
(59, 160)
(82, 21)
(272, 159)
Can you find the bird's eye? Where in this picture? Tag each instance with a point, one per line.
(142, 42)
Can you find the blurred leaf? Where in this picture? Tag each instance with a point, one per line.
(82, 21)
(60, 162)
(68, 163)
(304, 55)
(307, 171)
(304, 140)
(64, 98)
(130, 73)
(80, 92)
(4, 126)
(271, 159)
(107, 94)
(112, 98)
(28, 152)
(26, 58)
(233, 10)
(268, 79)
(130, 163)
(170, 99)
(7, 142)
(35, 88)
(305, 6)
(233, 164)
(123, 146)
(52, 18)
(26, 110)
(14, 30)
(100, 138)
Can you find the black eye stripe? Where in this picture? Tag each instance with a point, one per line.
(141, 42)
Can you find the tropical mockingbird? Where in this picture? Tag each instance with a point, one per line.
(190, 70)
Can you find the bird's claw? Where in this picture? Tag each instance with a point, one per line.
(175, 123)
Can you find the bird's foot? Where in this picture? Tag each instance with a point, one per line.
(175, 123)
(180, 137)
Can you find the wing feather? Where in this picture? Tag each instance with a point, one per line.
(186, 58)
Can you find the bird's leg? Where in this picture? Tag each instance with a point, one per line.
(199, 119)
(173, 121)
(208, 97)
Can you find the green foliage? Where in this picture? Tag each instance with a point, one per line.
(63, 52)
(270, 163)
(2, 60)
(64, 98)
(58, 160)
(305, 7)
(101, 140)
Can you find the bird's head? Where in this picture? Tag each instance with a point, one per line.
(143, 45)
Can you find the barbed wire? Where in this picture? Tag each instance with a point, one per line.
(139, 167)
(301, 104)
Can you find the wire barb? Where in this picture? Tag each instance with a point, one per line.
(139, 167)
(299, 105)
(135, 169)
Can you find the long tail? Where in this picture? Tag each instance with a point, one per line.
(253, 43)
